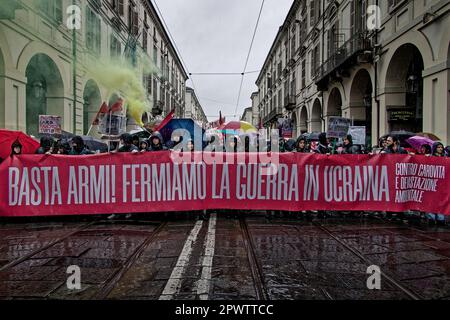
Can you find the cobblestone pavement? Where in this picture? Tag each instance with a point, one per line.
(226, 257)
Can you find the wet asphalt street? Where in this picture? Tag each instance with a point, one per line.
(222, 258)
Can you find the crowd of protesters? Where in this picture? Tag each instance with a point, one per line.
(234, 143)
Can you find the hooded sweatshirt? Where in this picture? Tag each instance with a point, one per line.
(80, 148)
(128, 145)
(351, 148)
(323, 148)
(434, 149)
(158, 147)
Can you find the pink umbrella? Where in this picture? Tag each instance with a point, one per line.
(417, 142)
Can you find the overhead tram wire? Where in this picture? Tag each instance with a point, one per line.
(222, 73)
(248, 57)
(174, 44)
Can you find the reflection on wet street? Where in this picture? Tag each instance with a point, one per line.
(246, 257)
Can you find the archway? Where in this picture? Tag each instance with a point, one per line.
(316, 116)
(361, 101)
(304, 120)
(45, 91)
(404, 84)
(2, 90)
(334, 103)
(92, 102)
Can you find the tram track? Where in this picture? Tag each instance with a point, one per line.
(255, 267)
(114, 279)
(47, 246)
(358, 254)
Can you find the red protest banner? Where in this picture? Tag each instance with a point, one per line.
(43, 185)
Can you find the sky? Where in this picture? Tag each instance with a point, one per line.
(214, 36)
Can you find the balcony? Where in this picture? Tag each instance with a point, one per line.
(343, 59)
(272, 116)
(290, 102)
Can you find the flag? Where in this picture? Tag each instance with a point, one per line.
(166, 120)
(221, 119)
(103, 109)
(116, 107)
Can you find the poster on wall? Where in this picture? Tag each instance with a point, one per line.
(49, 124)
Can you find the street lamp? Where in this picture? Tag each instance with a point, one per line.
(412, 84)
(38, 90)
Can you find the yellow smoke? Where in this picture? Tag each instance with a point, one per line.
(120, 78)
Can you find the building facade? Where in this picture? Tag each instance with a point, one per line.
(193, 109)
(44, 64)
(330, 58)
(247, 115)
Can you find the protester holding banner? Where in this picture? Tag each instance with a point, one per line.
(62, 147)
(127, 142)
(301, 146)
(16, 148)
(323, 147)
(425, 150)
(143, 146)
(393, 146)
(78, 147)
(156, 142)
(46, 146)
(438, 150)
(349, 147)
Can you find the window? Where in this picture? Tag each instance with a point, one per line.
(133, 19)
(144, 39)
(155, 54)
(393, 4)
(116, 47)
(315, 56)
(52, 9)
(118, 6)
(332, 40)
(93, 31)
(148, 84)
(303, 73)
(358, 16)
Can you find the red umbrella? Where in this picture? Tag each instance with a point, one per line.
(7, 138)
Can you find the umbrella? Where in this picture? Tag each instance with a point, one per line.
(237, 126)
(140, 133)
(314, 136)
(187, 124)
(95, 144)
(417, 142)
(401, 135)
(428, 135)
(7, 138)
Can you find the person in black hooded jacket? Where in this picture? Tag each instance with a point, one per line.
(156, 142)
(349, 147)
(78, 147)
(301, 145)
(46, 146)
(127, 143)
(438, 150)
(323, 147)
